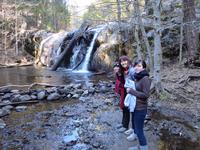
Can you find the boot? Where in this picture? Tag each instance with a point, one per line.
(144, 147)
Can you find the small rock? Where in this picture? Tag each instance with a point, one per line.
(85, 93)
(79, 92)
(53, 96)
(24, 98)
(96, 144)
(41, 95)
(91, 90)
(15, 91)
(77, 86)
(7, 96)
(82, 99)
(4, 112)
(6, 102)
(21, 108)
(2, 124)
(69, 96)
(8, 107)
(33, 97)
(75, 96)
(103, 89)
(52, 90)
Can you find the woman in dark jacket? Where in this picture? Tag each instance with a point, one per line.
(142, 83)
(119, 89)
(128, 72)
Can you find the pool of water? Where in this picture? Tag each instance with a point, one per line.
(28, 75)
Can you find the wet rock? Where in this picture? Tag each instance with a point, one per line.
(91, 90)
(53, 96)
(24, 98)
(33, 97)
(83, 99)
(75, 96)
(108, 101)
(7, 96)
(79, 91)
(51, 90)
(85, 93)
(6, 90)
(6, 102)
(103, 89)
(21, 108)
(71, 138)
(90, 85)
(80, 146)
(69, 96)
(41, 95)
(96, 144)
(16, 97)
(68, 114)
(2, 124)
(77, 86)
(15, 91)
(8, 107)
(4, 112)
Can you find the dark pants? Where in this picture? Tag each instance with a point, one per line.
(138, 117)
(125, 117)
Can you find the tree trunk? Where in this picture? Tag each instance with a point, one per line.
(16, 24)
(119, 23)
(157, 46)
(191, 35)
(181, 43)
(138, 49)
(71, 44)
(5, 37)
(144, 34)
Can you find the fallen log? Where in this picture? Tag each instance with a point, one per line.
(71, 44)
(16, 65)
(78, 64)
(29, 86)
(20, 103)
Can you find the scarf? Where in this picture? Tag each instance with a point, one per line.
(140, 75)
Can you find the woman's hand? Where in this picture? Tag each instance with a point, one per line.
(128, 90)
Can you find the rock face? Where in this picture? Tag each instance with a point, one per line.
(49, 49)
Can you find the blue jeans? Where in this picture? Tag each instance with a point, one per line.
(138, 117)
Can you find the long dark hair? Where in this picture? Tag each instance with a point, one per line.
(142, 62)
(125, 58)
(121, 76)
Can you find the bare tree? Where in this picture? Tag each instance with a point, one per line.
(144, 34)
(5, 34)
(119, 23)
(138, 49)
(16, 28)
(191, 35)
(157, 45)
(181, 41)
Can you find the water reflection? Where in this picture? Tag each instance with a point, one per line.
(28, 75)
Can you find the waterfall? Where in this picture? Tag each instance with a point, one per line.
(89, 51)
(73, 59)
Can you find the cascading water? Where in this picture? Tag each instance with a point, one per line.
(89, 52)
(73, 59)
